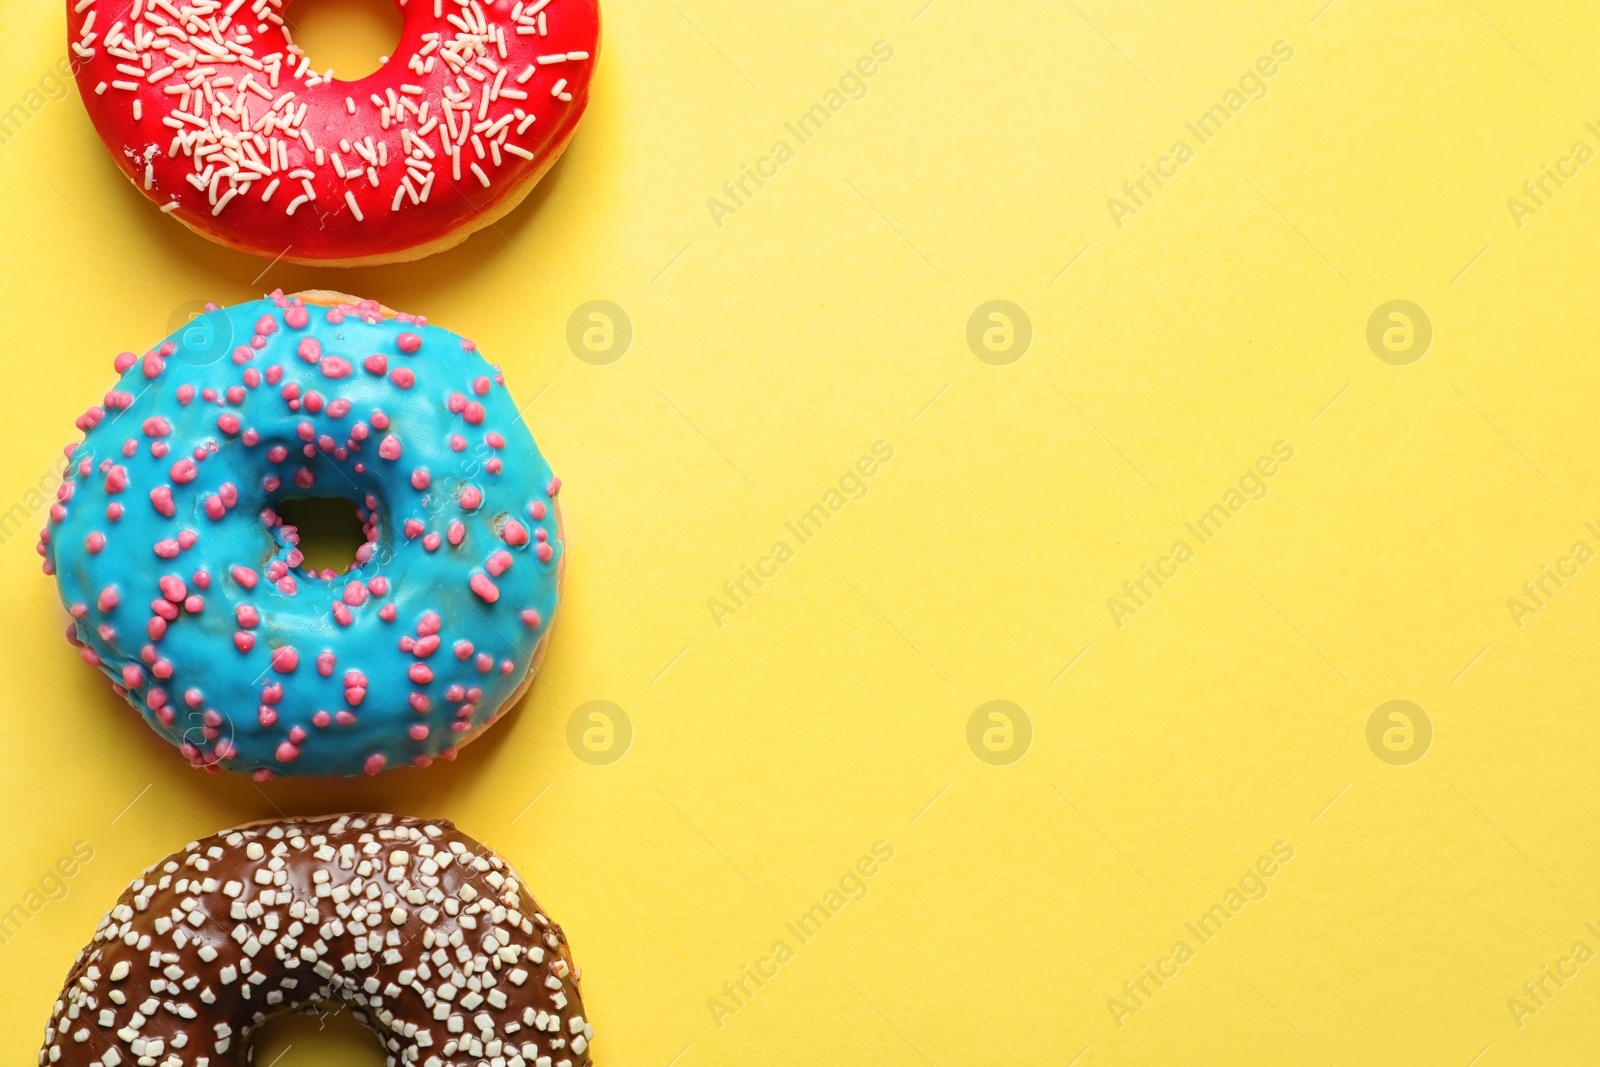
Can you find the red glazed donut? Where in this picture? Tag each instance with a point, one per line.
(211, 109)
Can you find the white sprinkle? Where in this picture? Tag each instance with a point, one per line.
(355, 209)
(482, 177)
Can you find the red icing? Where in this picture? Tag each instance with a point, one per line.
(349, 217)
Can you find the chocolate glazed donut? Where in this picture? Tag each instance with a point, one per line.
(428, 936)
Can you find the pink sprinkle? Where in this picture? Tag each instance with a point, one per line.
(499, 562)
(379, 420)
(247, 616)
(313, 401)
(229, 494)
(287, 753)
(355, 594)
(426, 646)
(277, 453)
(408, 342)
(338, 409)
(266, 325)
(194, 604)
(387, 613)
(334, 367)
(484, 588)
(156, 426)
(375, 763)
(420, 673)
(473, 413)
(484, 662)
(341, 614)
(116, 479)
(553, 488)
(420, 478)
(95, 542)
(413, 528)
(296, 734)
(536, 510)
(123, 361)
(378, 586)
(544, 552)
(271, 694)
(463, 650)
(431, 542)
(202, 579)
(481, 386)
(228, 423)
(244, 640)
(469, 498)
(429, 623)
(418, 731)
(514, 532)
(193, 697)
(113, 511)
(215, 509)
(108, 599)
(389, 448)
(297, 317)
(420, 703)
(376, 364)
(244, 576)
(164, 608)
(309, 349)
(495, 440)
(403, 378)
(321, 719)
(156, 627)
(455, 403)
(132, 676)
(456, 531)
(184, 471)
(531, 618)
(407, 643)
(285, 659)
(172, 587)
(187, 539)
(153, 365)
(355, 694)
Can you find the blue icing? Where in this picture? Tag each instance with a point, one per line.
(217, 700)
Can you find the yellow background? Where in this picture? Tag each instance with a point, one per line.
(830, 312)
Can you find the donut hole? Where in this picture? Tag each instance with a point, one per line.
(309, 1040)
(329, 530)
(352, 37)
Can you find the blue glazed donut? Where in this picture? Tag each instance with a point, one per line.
(186, 587)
